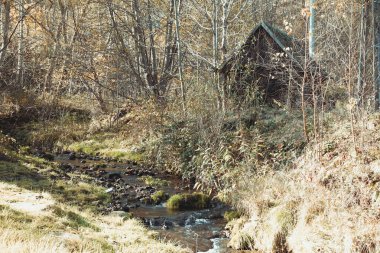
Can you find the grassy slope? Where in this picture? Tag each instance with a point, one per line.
(128, 137)
(295, 201)
(326, 204)
(40, 213)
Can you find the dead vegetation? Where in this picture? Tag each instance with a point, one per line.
(40, 212)
(326, 204)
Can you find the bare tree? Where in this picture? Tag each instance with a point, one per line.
(177, 6)
(5, 28)
(376, 41)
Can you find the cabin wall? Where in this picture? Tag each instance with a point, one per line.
(263, 67)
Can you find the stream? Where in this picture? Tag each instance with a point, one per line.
(199, 230)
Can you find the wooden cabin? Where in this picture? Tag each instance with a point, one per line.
(270, 63)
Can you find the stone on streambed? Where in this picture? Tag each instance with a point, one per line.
(125, 208)
(109, 190)
(162, 222)
(113, 176)
(66, 167)
(158, 197)
(72, 156)
(46, 156)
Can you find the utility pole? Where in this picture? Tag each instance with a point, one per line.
(312, 30)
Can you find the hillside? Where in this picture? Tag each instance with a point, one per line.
(213, 126)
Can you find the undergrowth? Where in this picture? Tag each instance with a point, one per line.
(326, 201)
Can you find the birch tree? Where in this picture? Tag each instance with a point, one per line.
(5, 28)
(311, 30)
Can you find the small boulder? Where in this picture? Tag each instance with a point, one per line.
(125, 208)
(113, 176)
(109, 190)
(72, 156)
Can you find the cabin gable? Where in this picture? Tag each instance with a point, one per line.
(266, 61)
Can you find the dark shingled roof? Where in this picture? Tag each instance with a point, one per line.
(291, 46)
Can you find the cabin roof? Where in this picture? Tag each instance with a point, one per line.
(288, 44)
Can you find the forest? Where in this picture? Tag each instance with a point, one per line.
(219, 126)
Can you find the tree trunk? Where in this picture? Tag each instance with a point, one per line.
(226, 6)
(312, 30)
(377, 50)
(20, 50)
(215, 36)
(179, 52)
(359, 84)
(6, 24)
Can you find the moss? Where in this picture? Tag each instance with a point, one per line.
(188, 201)
(159, 197)
(230, 215)
(152, 181)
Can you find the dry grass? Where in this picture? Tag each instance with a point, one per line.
(60, 228)
(127, 133)
(33, 203)
(40, 215)
(326, 204)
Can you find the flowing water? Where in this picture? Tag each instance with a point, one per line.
(201, 230)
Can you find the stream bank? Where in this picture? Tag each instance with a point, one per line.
(131, 187)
